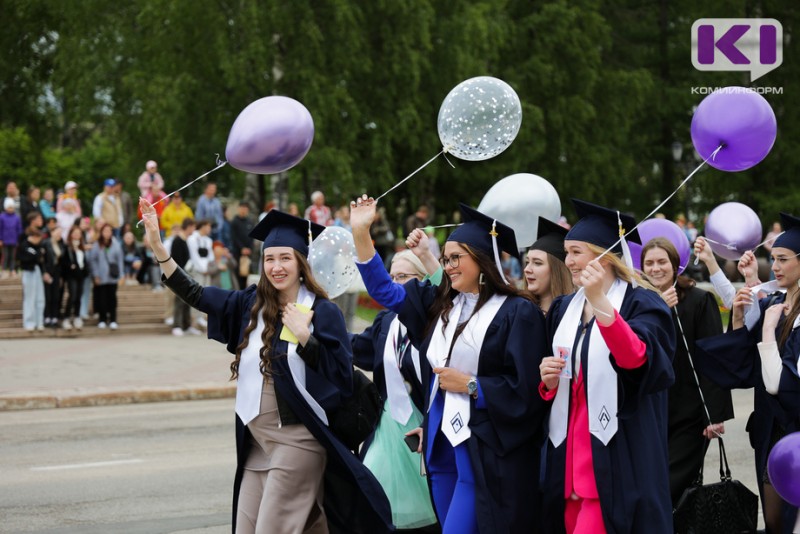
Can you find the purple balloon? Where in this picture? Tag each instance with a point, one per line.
(784, 468)
(736, 227)
(740, 120)
(269, 136)
(652, 228)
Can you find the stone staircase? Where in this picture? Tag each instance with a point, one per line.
(139, 310)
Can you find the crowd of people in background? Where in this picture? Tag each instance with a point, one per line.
(61, 275)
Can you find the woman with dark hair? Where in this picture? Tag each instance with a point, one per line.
(106, 264)
(74, 270)
(546, 275)
(293, 365)
(613, 341)
(483, 339)
(695, 316)
(760, 351)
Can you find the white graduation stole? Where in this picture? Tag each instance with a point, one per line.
(251, 381)
(464, 357)
(753, 312)
(399, 400)
(599, 375)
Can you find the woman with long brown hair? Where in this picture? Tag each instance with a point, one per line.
(293, 366)
(74, 270)
(482, 339)
(696, 316)
(546, 275)
(106, 264)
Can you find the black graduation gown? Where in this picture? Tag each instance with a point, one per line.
(506, 438)
(632, 471)
(699, 318)
(368, 349)
(732, 361)
(354, 500)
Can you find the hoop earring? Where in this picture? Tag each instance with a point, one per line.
(482, 282)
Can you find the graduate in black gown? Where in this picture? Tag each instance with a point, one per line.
(613, 341)
(483, 420)
(294, 365)
(698, 313)
(546, 276)
(760, 351)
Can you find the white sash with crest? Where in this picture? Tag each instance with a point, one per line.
(600, 377)
(251, 381)
(399, 400)
(464, 357)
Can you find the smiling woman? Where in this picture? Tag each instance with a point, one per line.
(479, 341)
(695, 316)
(282, 331)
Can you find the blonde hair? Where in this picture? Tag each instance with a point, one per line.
(622, 271)
(411, 258)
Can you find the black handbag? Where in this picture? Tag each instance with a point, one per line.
(358, 415)
(725, 506)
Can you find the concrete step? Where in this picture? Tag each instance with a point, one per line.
(86, 331)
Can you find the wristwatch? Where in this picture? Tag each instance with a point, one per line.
(472, 387)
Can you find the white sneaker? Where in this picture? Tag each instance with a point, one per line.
(101, 325)
(40, 328)
(66, 325)
(113, 325)
(193, 331)
(78, 323)
(29, 329)
(169, 321)
(201, 322)
(177, 332)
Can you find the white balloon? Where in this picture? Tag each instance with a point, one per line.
(518, 201)
(332, 259)
(479, 118)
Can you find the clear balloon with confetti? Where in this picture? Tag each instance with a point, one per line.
(332, 258)
(479, 118)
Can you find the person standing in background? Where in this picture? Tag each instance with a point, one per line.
(10, 232)
(318, 212)
(148, 178)
(418, 220)
(46, 204)
(31, 261)
(30, 202)
(108, 206)
(182, 317)
(127, 204)
(74, 270)
(53, 291)
(241, 241)
(209, 208)
(70, 193)
(106, 265)
(175, 213)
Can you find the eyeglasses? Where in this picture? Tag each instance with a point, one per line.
(453, 261)
(402, 277)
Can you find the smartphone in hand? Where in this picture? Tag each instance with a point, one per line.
(412, 441)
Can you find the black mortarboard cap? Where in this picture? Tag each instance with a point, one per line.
(279, 229)
(790, 238)
(550, 238)
(476, 231)
(598, 226)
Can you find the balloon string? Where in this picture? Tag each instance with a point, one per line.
(767, 241)
(729, 246)
(401, 182)
(220, 164)
(442, 226)
(684, 182)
